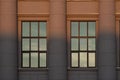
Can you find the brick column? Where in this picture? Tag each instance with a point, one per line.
(57, 41)
(106, 41)
(8, 40)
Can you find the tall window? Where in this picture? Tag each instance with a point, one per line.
(34, 44)
(83, 44)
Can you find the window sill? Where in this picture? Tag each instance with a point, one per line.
(33, 69)
(82, 69)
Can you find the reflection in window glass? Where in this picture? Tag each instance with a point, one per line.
(74, 29)
(91, 59)
(34, 44)
(25, 29)
(34, 29)
(42, 43)
(91, 29)
(91, 44)
(25, 44)
(83, 28)
(74, 59)
(83, 59)
(42, 59)
(34, 59)
(74, 44)
(83, 44)
(42, 29)
(25, 59)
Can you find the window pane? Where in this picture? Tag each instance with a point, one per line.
(91, 29)
(25, 61)
(83, 28)
(25, 44)
(74, 44)
(91, 44)
(34, 28)
(34, 44)
(91, 59)
(83, 44)
(42, 59)
(74, 59)
(25, 29)
(42, 44)
(42, 29)
(83, 59)
(74, 29)
(34, 59)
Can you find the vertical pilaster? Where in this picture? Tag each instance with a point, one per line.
(106, 41)
(57, 41)
(8, 40)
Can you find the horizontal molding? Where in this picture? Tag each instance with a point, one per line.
(83, 16)
(80, 0)
(89, 16)
(69, 16)
(33, 15)
(33, 0)
(66, 0)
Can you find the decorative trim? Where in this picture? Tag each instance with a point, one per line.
(80, 0)
(83, 16)
(93, 16)
(33, 15)
(33, 0)
(66, 0)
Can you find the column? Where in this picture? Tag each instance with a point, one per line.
(8, 40)
(57, 61)
(106, 41)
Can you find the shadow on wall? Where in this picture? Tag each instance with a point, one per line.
(57, 56)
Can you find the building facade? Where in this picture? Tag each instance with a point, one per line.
(59, 39)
